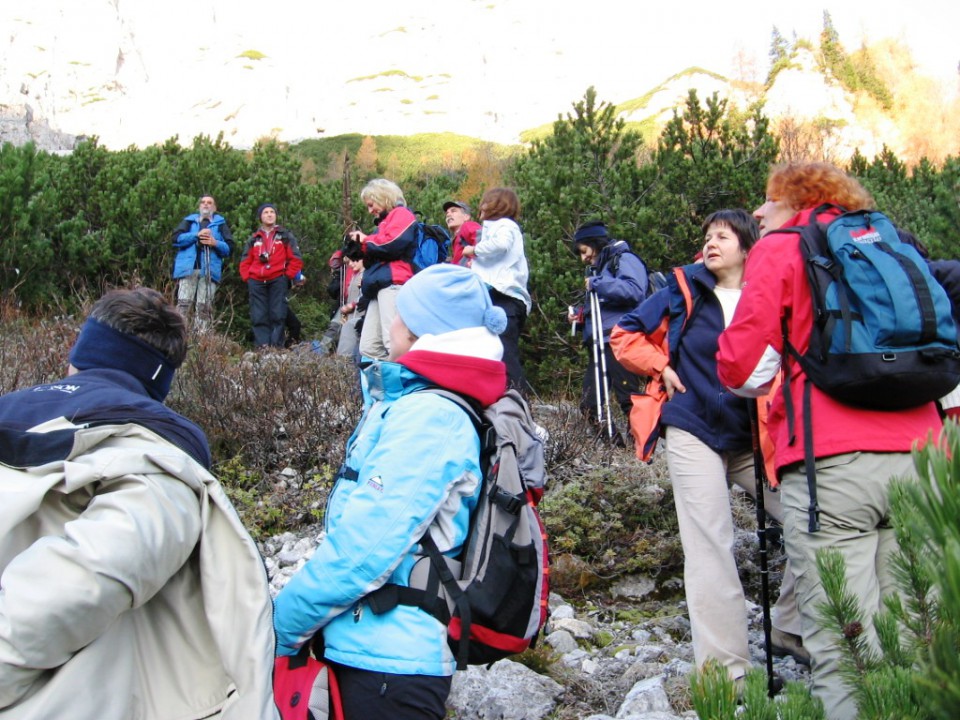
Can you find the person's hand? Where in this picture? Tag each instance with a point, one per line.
(206, 237)
(299, 280)
(671, 382)
(358, 236)
(469, 251)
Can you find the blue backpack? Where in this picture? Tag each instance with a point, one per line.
(432, 245)
(883, 335)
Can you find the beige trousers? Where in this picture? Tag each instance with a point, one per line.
(715, 601)
(375, 333)
(196, 290)
(854, 508)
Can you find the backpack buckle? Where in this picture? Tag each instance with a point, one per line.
(510, 503)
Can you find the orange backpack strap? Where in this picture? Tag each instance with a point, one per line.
(684, 285)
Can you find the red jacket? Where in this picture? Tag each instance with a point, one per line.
(751, 350)
(466, 236)
(388, 252)
(267, 256)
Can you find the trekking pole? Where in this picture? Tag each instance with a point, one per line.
(602, 365)
(760, 473)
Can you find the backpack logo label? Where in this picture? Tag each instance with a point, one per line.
(866, 236)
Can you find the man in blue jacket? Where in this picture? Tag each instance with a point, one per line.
(203, 241)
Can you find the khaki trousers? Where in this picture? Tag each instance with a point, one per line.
(715, 601)
(852, 494)
(195, 290)
(375, 333)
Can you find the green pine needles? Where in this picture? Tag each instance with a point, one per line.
(715, 697)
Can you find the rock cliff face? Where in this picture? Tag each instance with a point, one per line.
(801, 96)
(133, 74)
(18, 125)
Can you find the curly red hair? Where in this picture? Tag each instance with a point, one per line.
(806, 185)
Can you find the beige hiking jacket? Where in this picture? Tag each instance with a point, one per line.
(130, 589)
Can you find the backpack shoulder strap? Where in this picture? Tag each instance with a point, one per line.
(683, 283)
(681, 318)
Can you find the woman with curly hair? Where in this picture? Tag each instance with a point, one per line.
(855, 451)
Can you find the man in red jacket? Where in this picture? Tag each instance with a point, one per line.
(857, 450)
(463, 227)
(271, 262)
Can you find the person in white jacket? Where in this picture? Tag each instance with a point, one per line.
(130, 588)
(499, 260)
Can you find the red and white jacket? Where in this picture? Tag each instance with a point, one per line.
(388, 252)
(269, 254)
(751, 350)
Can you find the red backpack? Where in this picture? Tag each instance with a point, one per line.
(305, 688)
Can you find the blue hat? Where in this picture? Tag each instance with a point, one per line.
(444, 298)
(592, 233)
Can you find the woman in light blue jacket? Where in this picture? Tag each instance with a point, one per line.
(412, 466)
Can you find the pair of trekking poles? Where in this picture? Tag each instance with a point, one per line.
(600, 377)
(206, 270)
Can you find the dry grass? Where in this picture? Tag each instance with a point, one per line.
(278, 423)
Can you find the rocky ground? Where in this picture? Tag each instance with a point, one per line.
(591, 664)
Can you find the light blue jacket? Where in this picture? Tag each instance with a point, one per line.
(412, 463)
(187, 244)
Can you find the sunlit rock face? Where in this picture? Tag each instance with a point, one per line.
(141, 73)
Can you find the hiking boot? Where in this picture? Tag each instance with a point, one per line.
(783, 644)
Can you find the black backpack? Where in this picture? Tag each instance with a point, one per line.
(493, 596)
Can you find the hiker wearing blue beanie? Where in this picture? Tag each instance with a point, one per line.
(117, 542)
(617, 281)
(414, 467)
